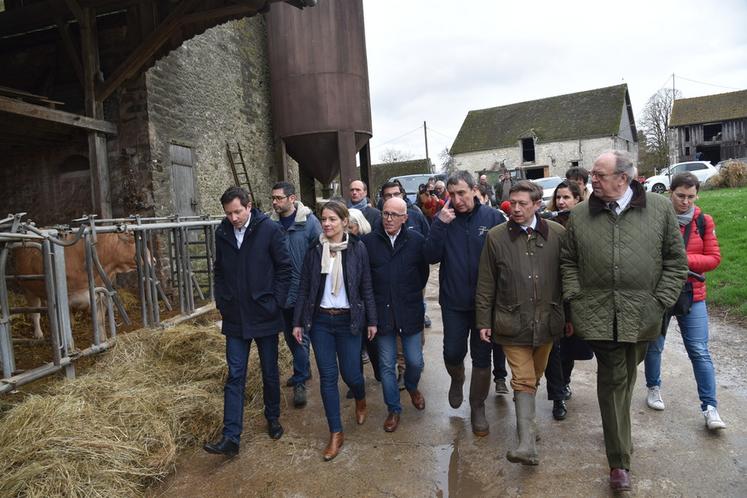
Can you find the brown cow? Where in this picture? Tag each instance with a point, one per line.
(116, 252)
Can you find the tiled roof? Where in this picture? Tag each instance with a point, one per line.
(720, 107)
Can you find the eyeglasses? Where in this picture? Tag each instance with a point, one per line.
(387, 215)
(391, 195)
(279, 197)
(602, 176)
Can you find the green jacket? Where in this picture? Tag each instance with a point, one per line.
(624, 269)
(518, 284)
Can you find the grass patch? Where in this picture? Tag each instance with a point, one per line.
(727, 284)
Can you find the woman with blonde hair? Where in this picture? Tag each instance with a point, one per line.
(359, 225)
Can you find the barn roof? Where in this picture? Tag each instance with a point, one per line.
(720, 107)
(593, 113)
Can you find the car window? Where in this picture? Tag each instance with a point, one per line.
(696, 166)
(680, 168)
(411, 183)
(550, 182)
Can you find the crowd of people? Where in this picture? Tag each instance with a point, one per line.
(594, 274)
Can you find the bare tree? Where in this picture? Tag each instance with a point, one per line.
(391, 155)
(448, 164)
(654, 122)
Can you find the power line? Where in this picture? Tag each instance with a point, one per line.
(439, 133)
(704, 83)
(397, 138)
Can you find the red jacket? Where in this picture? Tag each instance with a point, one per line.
(703, 253)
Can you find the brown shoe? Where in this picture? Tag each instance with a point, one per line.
(335, 443)
(418, 401)
(619, 480)
(392, 422)
(360, 410)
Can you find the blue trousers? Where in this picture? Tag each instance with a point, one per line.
(334, 343)
(694, 330)
(300, 352)
(459, 329)
(413, 352)
(237, 358)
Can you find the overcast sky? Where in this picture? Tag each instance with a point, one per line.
(435, 60)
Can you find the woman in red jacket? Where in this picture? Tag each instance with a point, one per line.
(703, 255)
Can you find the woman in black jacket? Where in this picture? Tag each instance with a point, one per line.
(335, 302)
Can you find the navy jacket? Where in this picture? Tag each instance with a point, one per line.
(357, 281)
(251, 283)
(301, 234)
(457, 246)
(399, 275)
(416, 220)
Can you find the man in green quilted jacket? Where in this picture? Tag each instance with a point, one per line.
(623, 263)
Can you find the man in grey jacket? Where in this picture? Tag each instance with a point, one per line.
(623, 263)
(303, 229)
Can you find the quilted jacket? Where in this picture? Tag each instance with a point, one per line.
(703, 253)
(620, 272)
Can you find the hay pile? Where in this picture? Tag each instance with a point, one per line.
(115, 430)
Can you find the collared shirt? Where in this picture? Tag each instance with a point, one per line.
(393, 238)
(623, 201)
(532, 225)
(239, 232)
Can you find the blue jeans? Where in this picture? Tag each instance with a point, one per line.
(459, 328)
(413, 351)
(237, 358)
(694, 330)
(300, 352)
(333, 342)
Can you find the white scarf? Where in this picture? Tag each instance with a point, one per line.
(336, 270)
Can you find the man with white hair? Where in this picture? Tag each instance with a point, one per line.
(623, 264)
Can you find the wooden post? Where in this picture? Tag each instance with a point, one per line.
(97, 153)
(365, 159)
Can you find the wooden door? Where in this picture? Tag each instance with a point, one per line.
(183, 180)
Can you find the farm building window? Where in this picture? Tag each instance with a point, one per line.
(687, 133)
(527, 150)
(574, 164)
(687, 151)
(711, 132)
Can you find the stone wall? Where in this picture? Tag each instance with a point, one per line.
(214, 88)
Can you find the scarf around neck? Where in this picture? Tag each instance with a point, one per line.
(336, 271)
(687, 217)
(360, 205)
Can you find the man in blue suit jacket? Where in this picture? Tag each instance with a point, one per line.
(252, 274)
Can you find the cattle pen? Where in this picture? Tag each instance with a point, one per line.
(186, 265)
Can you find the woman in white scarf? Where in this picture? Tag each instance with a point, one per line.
(334, 304)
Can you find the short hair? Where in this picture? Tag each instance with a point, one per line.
(534, 190)
(461, 175)
(288, 188)
(234, 192)
(685, 179)
(577, 173)
(357, 218)
(483, 189)
(623, 163)
(441, 182)
(570, 185)
(365, 187)
(337, 207)
(393, 183)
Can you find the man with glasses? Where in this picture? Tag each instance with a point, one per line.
(623, 264)
(302, 229)
(399, 273)
(415, 218)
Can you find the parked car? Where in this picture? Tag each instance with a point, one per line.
(412, 182)
(659, 183)
(548, 185)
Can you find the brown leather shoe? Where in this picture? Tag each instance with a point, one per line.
(619, 480)
(360, 410)
(335, 443)
(392, 422)
(418, 401)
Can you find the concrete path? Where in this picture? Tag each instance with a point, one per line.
(434, 453)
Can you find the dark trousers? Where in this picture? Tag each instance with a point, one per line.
(499, 362)
(300, 352)
(459, 329)
(237, 358)
(617, 364)
(372, 348)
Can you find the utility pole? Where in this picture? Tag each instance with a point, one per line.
(425, 133)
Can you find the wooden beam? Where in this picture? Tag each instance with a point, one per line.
(74, 7)
(72, 52)
(13, 106)
(145, 50)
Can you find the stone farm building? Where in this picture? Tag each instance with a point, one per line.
(714, 126)
(545, 137)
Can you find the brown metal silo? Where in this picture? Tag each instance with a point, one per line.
(321, 102)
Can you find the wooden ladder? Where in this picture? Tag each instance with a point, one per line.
(240, 174)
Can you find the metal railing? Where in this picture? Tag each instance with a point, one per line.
(190, 240)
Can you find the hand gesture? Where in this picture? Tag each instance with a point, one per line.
(298, 334)
(371, 332)
(485, 334)
(446, 215)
